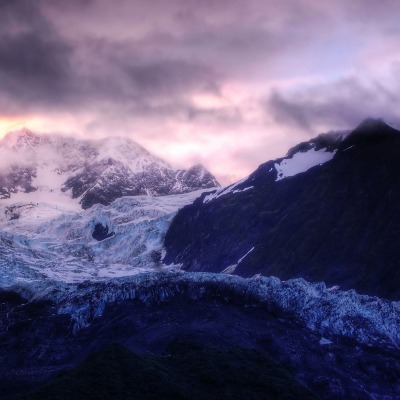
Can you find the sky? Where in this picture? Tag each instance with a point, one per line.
(227, 83)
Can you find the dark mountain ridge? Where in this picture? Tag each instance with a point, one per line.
(336, 222)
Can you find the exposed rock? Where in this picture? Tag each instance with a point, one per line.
(101, 232)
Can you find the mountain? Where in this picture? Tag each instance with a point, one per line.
(74, 281)
(128, 198)
(328, 211)
(91, 171)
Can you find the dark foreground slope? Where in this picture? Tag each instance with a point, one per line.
(338, 344)
(338, 222)
(186, 372)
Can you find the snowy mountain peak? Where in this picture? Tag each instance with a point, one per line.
(375, 124)
(92, 171)
(373, 129)
(21, 139)
(328, 141)
(126, 151)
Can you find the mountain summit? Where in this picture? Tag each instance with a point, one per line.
(328, 211)
(92, 171)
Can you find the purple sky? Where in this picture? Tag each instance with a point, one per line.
(230, 84)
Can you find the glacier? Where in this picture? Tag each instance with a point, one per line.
(328, 312)
(53, 240)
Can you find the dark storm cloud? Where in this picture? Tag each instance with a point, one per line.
(34, 61)
(342, 104)
(124, 74)
(171, 77)
(42, 70)
(40, 67)
(151, 57)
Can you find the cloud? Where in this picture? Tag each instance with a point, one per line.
(34, 60)
(341, 104)
(163, 70)
(42, 70)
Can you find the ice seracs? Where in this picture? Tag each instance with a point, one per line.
(366, 319)
(44, 240)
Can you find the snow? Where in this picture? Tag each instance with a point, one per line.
(325, 342)
(52, 162)
(128, 152)
(222, 192)
(302, 162)
(349, 148)
(229, 270)
(56, 201)
(241, 259)
(243, 190)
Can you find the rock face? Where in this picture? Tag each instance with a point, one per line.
(328, 212)
(339, 344)
(92, 171)
(101, 232)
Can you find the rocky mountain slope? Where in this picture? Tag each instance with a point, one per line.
(339, 344)
(91, 171)
(328, 211)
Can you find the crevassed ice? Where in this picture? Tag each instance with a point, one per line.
(366, 319)
(54, 240)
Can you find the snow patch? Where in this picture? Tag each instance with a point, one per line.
(222, 192)
(229, 270)
(241, 259)
(350, 147)
(324, 342)
(302, 162)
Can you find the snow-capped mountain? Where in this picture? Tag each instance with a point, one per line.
(91, 171)
(328, 211)
(128, 198)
